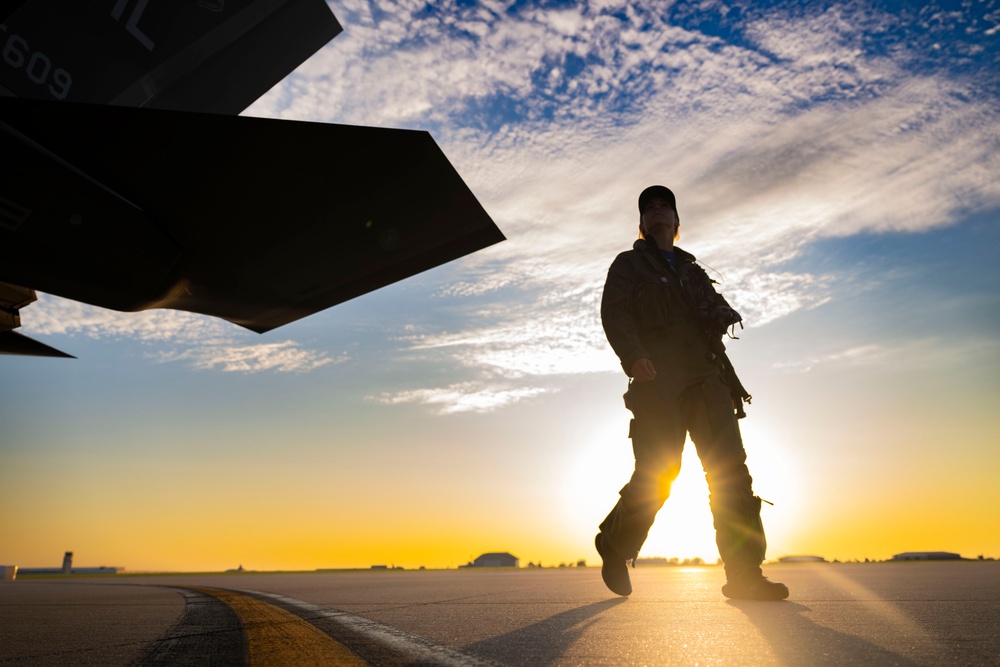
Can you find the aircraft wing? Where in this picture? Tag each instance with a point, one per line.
(257, 221)
(153, 203)
(13, 298)
(189, 55)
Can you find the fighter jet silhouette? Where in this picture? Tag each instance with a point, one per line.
(128, 181)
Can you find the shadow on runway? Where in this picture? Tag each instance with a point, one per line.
(544, 642)
(796, 640)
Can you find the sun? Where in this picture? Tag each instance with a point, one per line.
(683, 528)
(604, 463)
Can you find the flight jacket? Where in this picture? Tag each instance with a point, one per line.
(651, 310)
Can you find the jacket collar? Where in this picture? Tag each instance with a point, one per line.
(649, 245)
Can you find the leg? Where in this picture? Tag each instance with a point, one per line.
(657, 434)
(739, 531)
(657, 441)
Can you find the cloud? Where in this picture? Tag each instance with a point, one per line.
(563, 336)
(284, 356)
(765, 297)
(920, 353)
(864, 355)
(53, 315)
(200, 341)
(515, 349)
(462, 397)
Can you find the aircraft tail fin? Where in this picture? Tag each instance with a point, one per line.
(12, 342)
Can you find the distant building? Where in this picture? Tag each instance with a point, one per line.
(495, 560)
(801, 559)
(67, 568)
(76, 570)
(927, 555)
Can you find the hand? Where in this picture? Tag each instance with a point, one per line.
(724, 317)
(643, 370)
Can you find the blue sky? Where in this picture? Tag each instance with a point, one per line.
(835, 164)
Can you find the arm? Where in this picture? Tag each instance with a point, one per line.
(715, 313)
(619, 323)
(643, 370)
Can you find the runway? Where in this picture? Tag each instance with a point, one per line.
(934, 613)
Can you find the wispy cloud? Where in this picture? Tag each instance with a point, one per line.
(856, 356)
(928, 352)
(767, 296)
(200, 341)
(563, 337)
(53, 315)
(462, 397)
(285, 356)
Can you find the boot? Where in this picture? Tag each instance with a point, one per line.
(614, 569)
(754, 586)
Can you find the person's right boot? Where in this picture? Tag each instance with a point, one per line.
(614, 569)
(754, 586)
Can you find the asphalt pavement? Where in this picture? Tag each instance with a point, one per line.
(922, 613)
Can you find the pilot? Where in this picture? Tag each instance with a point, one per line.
(665, 321)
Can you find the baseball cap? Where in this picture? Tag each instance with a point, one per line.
(657, 191)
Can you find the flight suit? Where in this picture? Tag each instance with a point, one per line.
(650, 309)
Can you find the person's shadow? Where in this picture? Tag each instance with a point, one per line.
(795, 640)
(544, 642)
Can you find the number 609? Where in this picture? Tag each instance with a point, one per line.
(37, 66)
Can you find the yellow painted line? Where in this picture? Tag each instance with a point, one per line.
(277, 638)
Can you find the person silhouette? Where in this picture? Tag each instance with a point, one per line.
(665, 321)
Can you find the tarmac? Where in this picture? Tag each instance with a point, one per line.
(915, 613)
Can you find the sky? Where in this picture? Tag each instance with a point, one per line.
(835, 168)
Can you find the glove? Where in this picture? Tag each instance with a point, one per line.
(723, 317)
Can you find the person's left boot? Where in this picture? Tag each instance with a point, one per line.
(754, 586)
(614, 569)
